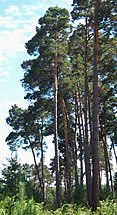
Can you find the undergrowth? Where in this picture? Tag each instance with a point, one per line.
(20, 205)
(30, 207)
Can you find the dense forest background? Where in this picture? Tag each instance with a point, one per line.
(70, 84)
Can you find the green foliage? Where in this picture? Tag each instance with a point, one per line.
(107, 207)
(19, 205)
(69, 209)
(115, 183)
(80, 195)
(11, 176)
(22, 206)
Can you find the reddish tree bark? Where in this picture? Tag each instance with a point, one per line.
(58, 190)
(95, 138)
(67, 154)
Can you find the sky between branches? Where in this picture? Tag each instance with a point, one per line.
(18, 20)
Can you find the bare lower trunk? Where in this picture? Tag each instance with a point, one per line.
(111, 180)
(77, 124)
(114, 152)
(90, 119)
(58, 191)
(67, 155)
(103, 131)
(100, 187)
(86, 134)
(95, 139)
(75, 148)
(42, 162)
(36, 166)
(81, 132)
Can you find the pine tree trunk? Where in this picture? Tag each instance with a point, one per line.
(86, 142)
(74, 153)
(81, 151)
(104, 135)
(81, 112)
(107, 162)
(100, 187)
(58, 191)
(95, 138)
(36, 166)
(77, 121)
(113, 146)
(106, 159)
(42, 162)
(67, 155)
(111, 180)
(81, 132)
(90, 119)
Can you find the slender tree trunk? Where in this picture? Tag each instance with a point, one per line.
(111, 180)
(100, 187)
(114, 152)
(67, 155)
(103, 132)
(95, 139)
(81, 152)
(77, 121)
(36, 166)
(42, 162)
(107, 162)
(58, 191)
(74, 153)
(90, 119)
(81, 132)
(106, 159)
(86, 142)
(81, 112)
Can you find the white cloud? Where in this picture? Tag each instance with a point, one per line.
(30, 10)
(4, 74)
(14, 33)
(11, 42)
(2, 57)
(8, 22)
(13, 10)
(17, 27)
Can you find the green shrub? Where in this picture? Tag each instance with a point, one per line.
(108, 207)
(27, 208)
(23, 206)
(69, 209)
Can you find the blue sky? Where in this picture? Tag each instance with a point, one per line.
(18, 20)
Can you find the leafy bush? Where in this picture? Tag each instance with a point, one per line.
(108, 207)
(69, 209)
(22, 206)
